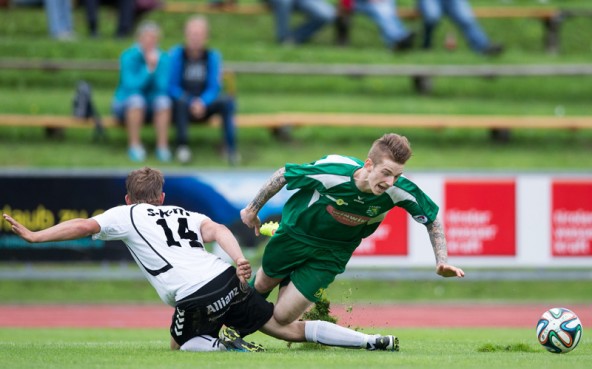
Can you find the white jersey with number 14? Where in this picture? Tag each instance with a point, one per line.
(167, 244)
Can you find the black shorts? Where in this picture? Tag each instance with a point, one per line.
(222, 301)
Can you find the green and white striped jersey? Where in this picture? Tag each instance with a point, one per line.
(329, 210)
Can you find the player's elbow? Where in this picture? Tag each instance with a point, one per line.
(221, 233)
(88, 227)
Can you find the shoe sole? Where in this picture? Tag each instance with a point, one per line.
(395, 343)
(233, 339)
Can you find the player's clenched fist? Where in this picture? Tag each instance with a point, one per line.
(251, 219)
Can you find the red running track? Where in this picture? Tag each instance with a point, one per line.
(368, 315)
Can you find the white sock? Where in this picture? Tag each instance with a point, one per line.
(203, 343)
(331, 334)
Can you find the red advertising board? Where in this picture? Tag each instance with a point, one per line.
(571, 218)
(389, 239)
(480, 217)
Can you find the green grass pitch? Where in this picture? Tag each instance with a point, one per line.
(148, 348)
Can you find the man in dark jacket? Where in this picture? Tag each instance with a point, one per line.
(195, 87)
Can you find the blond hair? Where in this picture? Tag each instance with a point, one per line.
(145, 186)
(390, 146)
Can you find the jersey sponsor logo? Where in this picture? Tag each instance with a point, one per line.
(159, 212)
(373, 210)
(222, 302)
(346, 218)
(360, 199)
(421, 219)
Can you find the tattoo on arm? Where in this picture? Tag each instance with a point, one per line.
(438, 240)
(273, 185)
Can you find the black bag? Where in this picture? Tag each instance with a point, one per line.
(84, 108)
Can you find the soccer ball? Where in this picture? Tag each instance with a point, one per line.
(559, 330)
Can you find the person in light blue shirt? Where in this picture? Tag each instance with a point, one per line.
(141, 94)
(317, 14)
(59, 19)
(392, 29)
(461, 13)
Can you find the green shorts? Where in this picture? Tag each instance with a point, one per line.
(311, 268)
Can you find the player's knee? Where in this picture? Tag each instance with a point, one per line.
(283, 318)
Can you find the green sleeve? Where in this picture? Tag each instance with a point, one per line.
(298, 175)
(327, 170)
(420, 206)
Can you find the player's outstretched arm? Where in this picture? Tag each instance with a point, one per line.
(438, 240)
(68, 230)
(273, 185)
(212, 231)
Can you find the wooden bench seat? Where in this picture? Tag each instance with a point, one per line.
(550, 17)
(403, 12)
(296, 119)
(205, 8)
(51, 121)
(411, 121)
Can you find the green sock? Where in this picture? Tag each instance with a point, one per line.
(265, 294)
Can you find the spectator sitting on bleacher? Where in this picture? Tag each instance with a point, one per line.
(319, 13)
(125, 16)
(384, 14)
(129, 13)
(461, 13)
(142, 92)
(195, 87)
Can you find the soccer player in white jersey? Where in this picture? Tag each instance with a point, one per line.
(211, 297)
(340, 200)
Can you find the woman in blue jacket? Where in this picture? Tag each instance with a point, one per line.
(141, 94)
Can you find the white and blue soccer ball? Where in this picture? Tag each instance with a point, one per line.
(559, 330)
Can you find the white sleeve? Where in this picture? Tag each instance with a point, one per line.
(198, 218)
(115, 224)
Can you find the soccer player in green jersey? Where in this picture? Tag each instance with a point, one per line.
(340, 200)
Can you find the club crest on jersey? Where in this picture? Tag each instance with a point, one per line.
(421, 219)
(373, 211)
